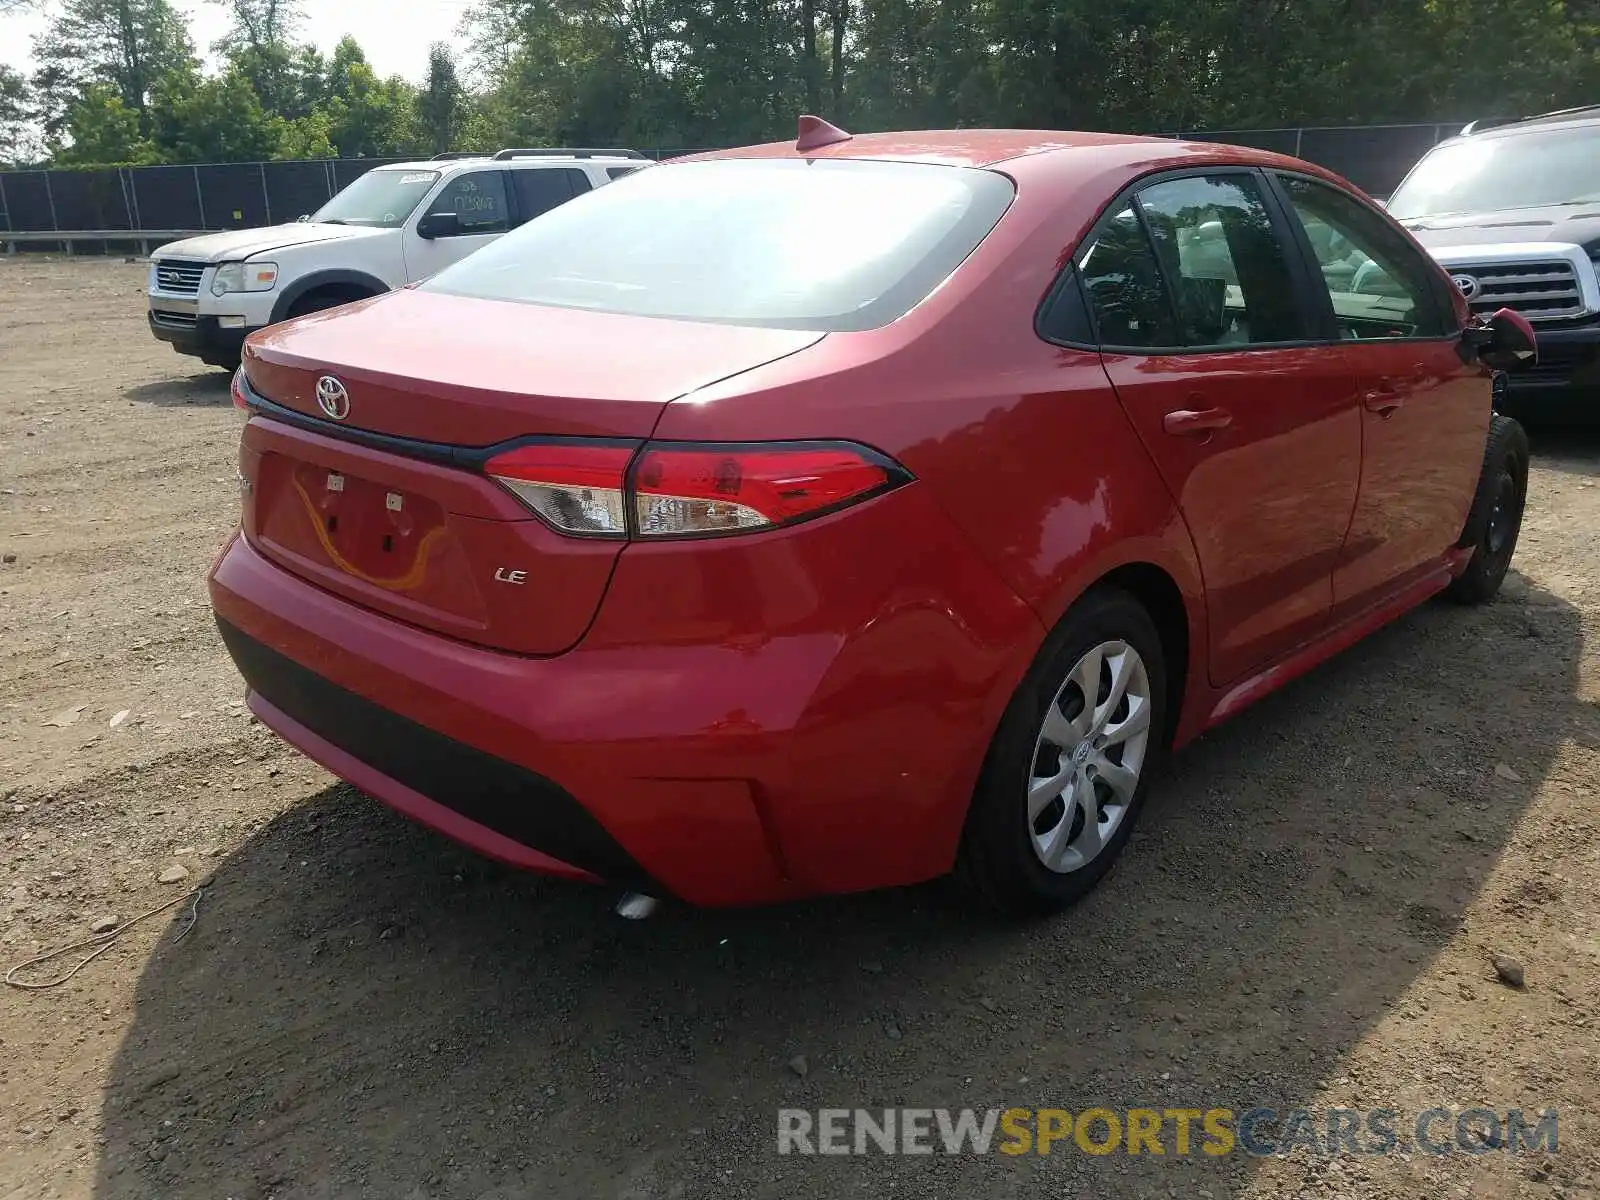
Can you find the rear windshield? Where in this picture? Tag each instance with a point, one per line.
(825, 245)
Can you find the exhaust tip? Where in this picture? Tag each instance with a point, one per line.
(636, 906)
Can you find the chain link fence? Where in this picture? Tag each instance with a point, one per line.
(244, 195)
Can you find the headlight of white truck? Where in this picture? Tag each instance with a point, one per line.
(244, 277)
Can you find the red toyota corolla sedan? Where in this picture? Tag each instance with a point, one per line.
(825, 516)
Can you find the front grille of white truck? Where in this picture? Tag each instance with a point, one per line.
(1541, 291)
(177, 277)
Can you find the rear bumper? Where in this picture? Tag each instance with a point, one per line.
(199, 337)
(669, 751)
(500, 808)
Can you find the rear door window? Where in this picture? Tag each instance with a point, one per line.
(540, 190)
(1224, 261)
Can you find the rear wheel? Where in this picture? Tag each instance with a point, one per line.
(1069, 767)
(1496, 517)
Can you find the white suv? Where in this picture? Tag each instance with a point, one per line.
(394, 225)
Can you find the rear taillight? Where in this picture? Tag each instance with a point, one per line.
(577, 487)
(725, 489)
(240, 401)
(682, 490)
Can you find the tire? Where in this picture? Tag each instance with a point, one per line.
(225, 362)
(321, 301)
(1496, 516)
(1003, 856)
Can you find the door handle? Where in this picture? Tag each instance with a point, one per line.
(1190, 420)
(1383, 402)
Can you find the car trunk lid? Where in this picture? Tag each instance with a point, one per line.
(461, 371)
(387, 506)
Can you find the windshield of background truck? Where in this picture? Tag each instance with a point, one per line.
(1486, 174)
(380, 199)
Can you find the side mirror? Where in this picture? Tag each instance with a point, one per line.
(439, 225)
(1505, 342)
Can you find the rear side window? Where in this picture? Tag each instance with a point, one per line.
(1226, 265)
(827, 245)
(478, 198)
(1064, 319)
(1378, 284)
(538, 191)
(619, 172)
(1123, 281)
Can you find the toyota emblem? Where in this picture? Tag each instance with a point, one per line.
(333, 398)
(1468, 285)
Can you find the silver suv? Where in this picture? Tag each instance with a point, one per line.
(1512, 209)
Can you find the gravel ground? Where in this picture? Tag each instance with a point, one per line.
(1305, 920)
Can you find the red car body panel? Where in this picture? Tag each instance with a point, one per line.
(1266, 550)
(725, 719)
(807, 709)
(473, 379)
(1423, 429)
(426, 563)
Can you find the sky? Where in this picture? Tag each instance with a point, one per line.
(394, 33)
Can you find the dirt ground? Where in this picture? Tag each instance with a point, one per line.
(1304, 920)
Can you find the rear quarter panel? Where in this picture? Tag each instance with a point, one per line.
(1022, 443)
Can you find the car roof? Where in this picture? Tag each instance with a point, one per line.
(1589, 116)
(1567, 118)
(953, 147)
(447, 165)
(1063, 156)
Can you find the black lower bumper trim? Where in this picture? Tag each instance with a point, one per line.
(1569, 359)
(499, 795)
(205, 339)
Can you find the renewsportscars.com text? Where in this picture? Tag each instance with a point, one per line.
(1259, 1132)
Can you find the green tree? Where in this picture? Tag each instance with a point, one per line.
(218, 119)
(347, 56)
(442, 103)
(104, 131)
(687, 73)
(715, 71)
(368, 117)
(744, 70)
(15, 116)
(259, 22)
(286, 75)
(307, 137)
(127, 45)
(589, 71)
